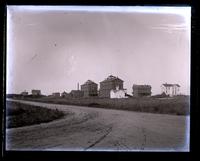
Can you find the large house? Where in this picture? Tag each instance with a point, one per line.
(170, 89)
(89, 88)
(36, 92)
(110, 83)
(141, 90)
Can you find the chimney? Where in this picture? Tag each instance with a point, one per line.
(78, 86)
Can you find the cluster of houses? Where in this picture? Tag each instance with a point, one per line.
(111, 87)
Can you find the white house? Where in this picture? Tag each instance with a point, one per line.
(170, 89)
(118, 93)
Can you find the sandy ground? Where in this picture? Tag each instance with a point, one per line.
(95, 129)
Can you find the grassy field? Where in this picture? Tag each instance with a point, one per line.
(19, 114)
(177, 105)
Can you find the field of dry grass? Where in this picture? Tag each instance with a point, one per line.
(177, 105)
(18, 114)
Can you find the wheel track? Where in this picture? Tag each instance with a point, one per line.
(100, 139)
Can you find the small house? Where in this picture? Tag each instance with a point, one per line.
(65, 95)
(24, 93)
(76, 93)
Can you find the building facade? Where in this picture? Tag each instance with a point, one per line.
(76, 93)
(89, 88)
(36, 92)
(141, 90)
(110, 83)
(170, 89)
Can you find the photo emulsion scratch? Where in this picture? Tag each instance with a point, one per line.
(98, 78)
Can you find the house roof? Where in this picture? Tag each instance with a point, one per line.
(141, 86)
(89, 82)
(73, 91)
(35, 90)
(112, 78)
(170, 85)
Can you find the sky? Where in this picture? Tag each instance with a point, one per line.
(54, 48)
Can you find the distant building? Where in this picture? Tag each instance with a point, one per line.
(109, 84)
(141, 90)
(56, 94)
(65, 95)
(24, 93)
(36, 92)
(89, 88)
(76, 93)
(118, 93)
(170, 89)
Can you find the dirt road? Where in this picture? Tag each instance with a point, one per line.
(102, 129)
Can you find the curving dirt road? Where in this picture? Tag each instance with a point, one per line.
(95, 129)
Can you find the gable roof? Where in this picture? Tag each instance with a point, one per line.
(89, 82)
(64, 92)
(112, 78)
(170, 85)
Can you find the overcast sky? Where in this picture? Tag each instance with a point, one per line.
(54, 48)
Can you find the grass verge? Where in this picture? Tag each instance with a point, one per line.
(179, 105)
(19, 114)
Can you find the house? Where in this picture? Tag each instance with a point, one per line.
(76, 93)
(110, 83)
(141, 90)
(56, 94)
(24, 93)
(170, 89)
(36, 92)
(89, 88)
(118, 93)
(65, 95)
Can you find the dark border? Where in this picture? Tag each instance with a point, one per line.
(45, 155)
